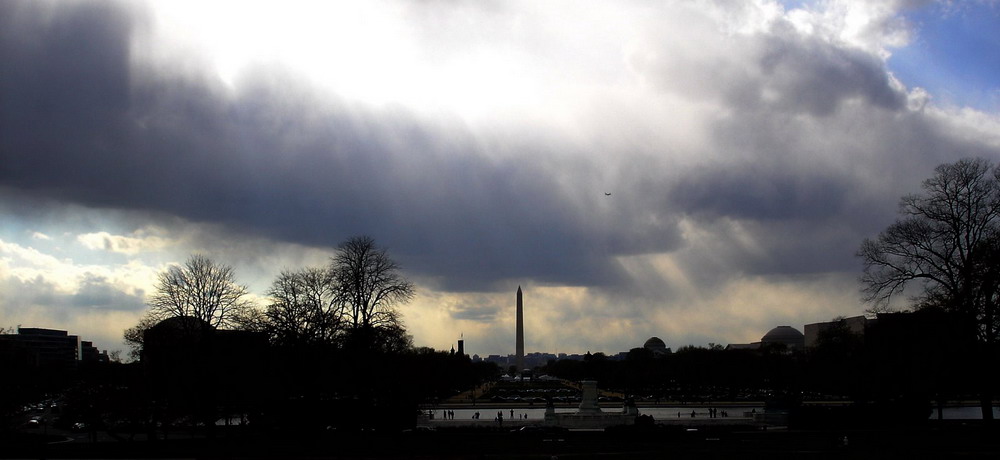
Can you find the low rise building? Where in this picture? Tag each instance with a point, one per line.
(34, 347)
(855, 324)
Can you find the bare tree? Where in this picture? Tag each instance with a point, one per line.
(947, 242)
(134, 336)
(368, 284)
(201, 289)
(303, 308)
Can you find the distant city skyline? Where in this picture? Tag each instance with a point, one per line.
(696, 171)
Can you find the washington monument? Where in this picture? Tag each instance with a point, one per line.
(520, 332)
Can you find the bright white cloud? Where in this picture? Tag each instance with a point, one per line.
(875, 26)
(66, 276)
(27, 256)
(41, 290)
(140, 241)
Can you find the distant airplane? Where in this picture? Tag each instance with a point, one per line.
(607, 194)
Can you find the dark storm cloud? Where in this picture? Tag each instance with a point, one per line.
(760, 192)
(800, 222)
(480, 313)
(812, 75)
(65, 78)
(281, 160)
(806, 193)
(818, 144)
(781, 70)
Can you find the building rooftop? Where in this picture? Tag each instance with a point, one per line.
(787, 335)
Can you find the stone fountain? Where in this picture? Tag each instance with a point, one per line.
(589, 413)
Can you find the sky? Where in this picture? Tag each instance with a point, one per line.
(748, 147)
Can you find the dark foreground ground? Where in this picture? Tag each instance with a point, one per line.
(949, 440)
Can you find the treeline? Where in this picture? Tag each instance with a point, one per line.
(264, 390)
(351, 303)
(327, 351)
(917, 359)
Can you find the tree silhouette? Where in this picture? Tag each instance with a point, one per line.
(200, 289)
(946, 241)
(134, 336)
(368, 284)
(303, 308)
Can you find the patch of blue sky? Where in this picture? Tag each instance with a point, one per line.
(56, 234)
(793, 4)
(955, 54)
